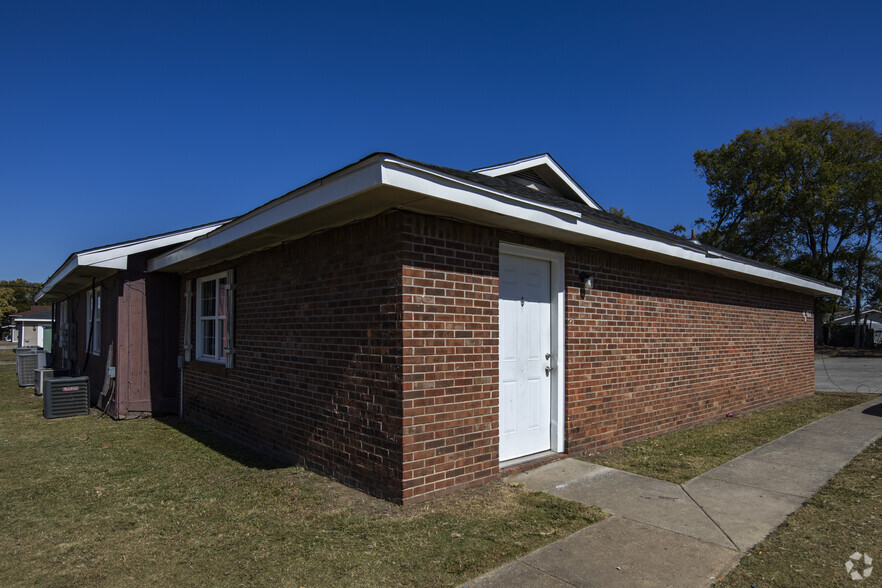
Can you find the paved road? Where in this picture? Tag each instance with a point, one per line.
(849, 374)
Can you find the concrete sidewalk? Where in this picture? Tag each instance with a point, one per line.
(665, 534)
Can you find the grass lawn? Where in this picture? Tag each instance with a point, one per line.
(828, 351)
(89, 501)
(682, 455)
(811, 547)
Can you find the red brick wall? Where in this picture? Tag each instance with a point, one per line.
(370, 352)
(317, 372)
(651, 349)
(450, 342)
(654, 348)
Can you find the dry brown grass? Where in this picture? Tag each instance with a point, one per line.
(87, 501)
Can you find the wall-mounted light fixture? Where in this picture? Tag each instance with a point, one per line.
(587, 280)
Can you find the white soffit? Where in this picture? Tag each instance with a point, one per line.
(430, 191)
(537, 162)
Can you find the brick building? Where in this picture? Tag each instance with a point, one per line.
(410, 329)
(112, 323)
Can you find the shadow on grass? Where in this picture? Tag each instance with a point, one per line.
(224, 445)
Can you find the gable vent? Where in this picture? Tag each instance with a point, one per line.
(530, 175)
(531, 179)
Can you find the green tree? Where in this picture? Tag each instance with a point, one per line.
(805, 195)
(7, 305)
(618, 212)
(15, 296)
(679, 230)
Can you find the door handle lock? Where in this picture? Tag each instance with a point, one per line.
(548, 369)
(547, 356)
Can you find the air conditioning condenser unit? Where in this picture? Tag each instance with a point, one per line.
(26, 361)
(64, 397)
(43, 374)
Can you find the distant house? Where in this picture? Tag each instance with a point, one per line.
(10, 334)
(870, 319)
(33, 327)
(117, 324)
(410, 329)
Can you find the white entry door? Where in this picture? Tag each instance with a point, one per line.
(524, 356)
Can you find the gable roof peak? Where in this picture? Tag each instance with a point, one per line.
(542, 173)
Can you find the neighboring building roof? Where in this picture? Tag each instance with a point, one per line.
(34, 309)
(38, 316)
(383, 181)
(847, 318)
(82, 267)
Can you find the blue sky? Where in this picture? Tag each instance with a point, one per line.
(120, 120)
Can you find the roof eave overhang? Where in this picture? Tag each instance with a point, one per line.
(74, 276)
(383, 182)
(82, 268)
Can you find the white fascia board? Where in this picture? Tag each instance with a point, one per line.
(117, 256)
(418, 179)
(703, 259)
(345, 184)
(424, 181)
(32, 320)
(55, 278)
(502, 169)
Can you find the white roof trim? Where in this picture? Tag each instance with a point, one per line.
(582, 228)
(344, 184)
(501, 169)
(424, 186)
(402, 182)
(117, 256)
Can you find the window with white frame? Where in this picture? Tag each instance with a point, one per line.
(213, 318)
(94, 319)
